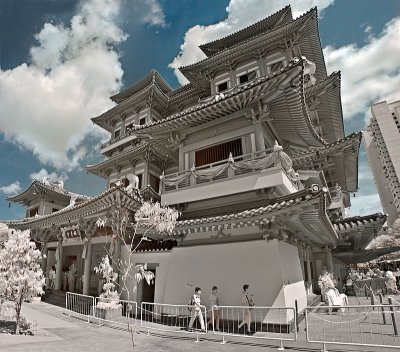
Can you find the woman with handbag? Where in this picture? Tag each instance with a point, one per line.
(247, 303)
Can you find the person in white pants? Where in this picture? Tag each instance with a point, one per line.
(196, 310)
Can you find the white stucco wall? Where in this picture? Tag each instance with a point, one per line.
(265, 266)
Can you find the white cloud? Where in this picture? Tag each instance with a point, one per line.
(370, 73)
(11, 189)
(241, 13)
(52, 176)
(46, 105)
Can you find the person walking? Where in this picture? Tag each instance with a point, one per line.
(195, 309)
(215, 308)
(247, 303)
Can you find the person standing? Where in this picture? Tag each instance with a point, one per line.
(247, 303)
(52, 277)
(215, 307)
(196, 309)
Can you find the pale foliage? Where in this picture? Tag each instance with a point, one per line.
(390, 238)
(327, 280)
(109, 298)
(21, 276)
(162, 219)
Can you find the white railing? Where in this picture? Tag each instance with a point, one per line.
(81, 305)
(174, 318)
(272, 323)
(363, 325)
(241, 165)
(120, 312)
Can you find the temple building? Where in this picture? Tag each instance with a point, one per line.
(382, 143)
(252, 152)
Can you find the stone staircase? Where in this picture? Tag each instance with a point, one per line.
(55, 297)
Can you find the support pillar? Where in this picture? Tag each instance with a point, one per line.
(59, 256)
(259, 136)
(45, 254)
(328, 260)
(87, 269)
(181, 158)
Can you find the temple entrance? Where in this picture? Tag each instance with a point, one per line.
(148, 290)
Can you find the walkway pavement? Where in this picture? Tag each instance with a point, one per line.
(56, 331)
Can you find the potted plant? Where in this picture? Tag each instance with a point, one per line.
(108, 305)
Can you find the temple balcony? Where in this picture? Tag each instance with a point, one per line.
(117, 142)
(262, 170)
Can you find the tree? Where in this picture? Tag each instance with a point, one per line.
(149, 217)
(20, 271)
(387, 239)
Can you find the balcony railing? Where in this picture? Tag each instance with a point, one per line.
(230, 168)
(127, 133)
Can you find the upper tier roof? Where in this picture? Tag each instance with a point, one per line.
(287, 104)
(152, 78)
(305, 25)
(41, 190)
(279, 18)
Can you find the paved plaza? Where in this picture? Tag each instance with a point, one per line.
(56, 331)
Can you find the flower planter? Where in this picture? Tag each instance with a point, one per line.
(108, 313)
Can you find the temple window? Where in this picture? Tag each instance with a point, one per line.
(246, 77)
(33, 212)
(221, 87)
(142, 121)
(218, 152)
(117, 134)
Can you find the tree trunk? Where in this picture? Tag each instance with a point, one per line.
(18, 306)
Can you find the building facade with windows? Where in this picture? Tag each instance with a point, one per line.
(382, 143)
(252, 151)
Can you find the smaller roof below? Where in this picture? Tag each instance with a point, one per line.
(150, 245)
(152, 78)
(356, 223)
(45, 190)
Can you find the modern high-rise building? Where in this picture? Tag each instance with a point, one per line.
(382, 142)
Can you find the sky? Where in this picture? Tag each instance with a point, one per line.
(61, 60)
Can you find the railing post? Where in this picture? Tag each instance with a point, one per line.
(383, 309)
(396, 332)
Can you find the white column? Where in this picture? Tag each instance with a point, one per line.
(87, 269)
(45, 254)
(59, 267)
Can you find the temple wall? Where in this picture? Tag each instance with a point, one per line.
(272, 269)
(265, 266)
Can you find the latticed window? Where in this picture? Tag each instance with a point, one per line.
(218, 152)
